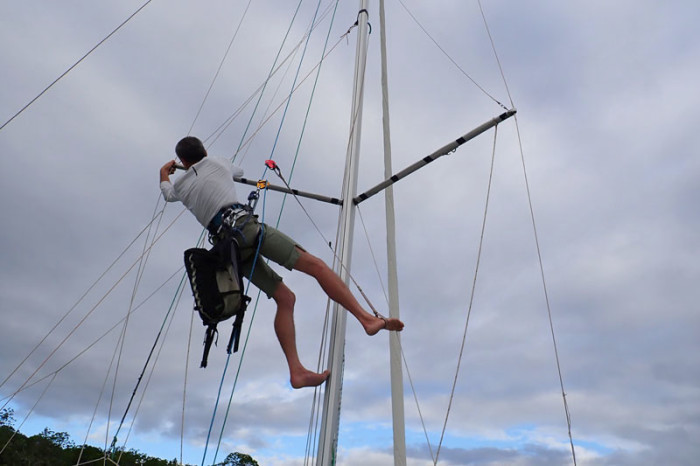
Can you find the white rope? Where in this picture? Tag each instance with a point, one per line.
(471, 297)
(29, 413)
(444, 52)
(82, 297)
(546, 295)
(82, 321)
(495, 53)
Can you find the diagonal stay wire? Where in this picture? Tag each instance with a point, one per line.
(82, 297)
(97, 405)
(495, 53)
(250, 326)
(150, 355)
(171, 316)
(313, 25)
(263, 123)
(311, 98)
(88, 314)
(394, 335)
(471, 297)
(74, 65)
(274, 64)
(447, 55)
(328, 243)
(266, 115)
(143, 260)
(546, 295)
(97, 340)
(296, 76)
(218, 70)
(315, 410)
(15, 431)
(228, 121)
(537, 244)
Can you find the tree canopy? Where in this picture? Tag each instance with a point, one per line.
(51, 448)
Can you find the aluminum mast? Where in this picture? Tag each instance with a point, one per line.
(328, 439)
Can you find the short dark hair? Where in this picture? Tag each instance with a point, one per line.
(190, 149)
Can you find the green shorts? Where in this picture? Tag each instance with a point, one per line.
(275, 246)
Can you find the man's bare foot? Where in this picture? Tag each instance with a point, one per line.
(382, 323)
(308, 379)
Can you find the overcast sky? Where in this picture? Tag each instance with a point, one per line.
(608, 109)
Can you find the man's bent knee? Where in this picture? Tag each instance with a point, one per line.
(283, 296)
(310, 264)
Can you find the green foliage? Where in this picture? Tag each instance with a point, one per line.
(239, 459)
(51, 448)
(7, 417)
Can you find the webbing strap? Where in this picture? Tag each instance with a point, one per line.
(211, 333)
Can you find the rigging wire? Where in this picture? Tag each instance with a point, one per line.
(143, 259)
(311, 99)
(218, 70)
(82, 297)
(168, 315)
(75, 64)
(97, 405)
(288, 100)
(228, 358)
(329, 244)
(495, 54)
(228, 121)
(267, 114)
(403, 356)
(100, 338)
(14, 431)
(296, 76)
(471, 296)
(256, 257)
(537, 244)
(447, 55)
(264, 122)
(233, 158)
(85, 317)
(279, 52)
(184, 389)
(546, 294)
(153, 367)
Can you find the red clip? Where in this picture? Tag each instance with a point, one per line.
(271, 164)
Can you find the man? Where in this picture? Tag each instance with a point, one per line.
(207, 189)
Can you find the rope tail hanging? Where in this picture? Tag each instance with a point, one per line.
(273, 166)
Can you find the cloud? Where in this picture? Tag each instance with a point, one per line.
(606, 106)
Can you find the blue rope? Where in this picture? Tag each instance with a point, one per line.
(296, 76)
(269, 75)
(228, 358)
(308, 110)
(245, 345)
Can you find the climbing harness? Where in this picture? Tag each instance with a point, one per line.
(215, 274)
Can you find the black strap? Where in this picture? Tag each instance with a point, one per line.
(208, 340)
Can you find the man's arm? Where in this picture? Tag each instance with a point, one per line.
(166, 186)
(167, 170)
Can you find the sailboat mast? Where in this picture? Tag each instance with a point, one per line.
(397, 403)
(328, 439)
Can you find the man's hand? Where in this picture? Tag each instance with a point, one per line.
(167, 170)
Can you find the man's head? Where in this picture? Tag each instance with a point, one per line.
(190, 150)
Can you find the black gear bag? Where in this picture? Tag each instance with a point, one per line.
(217, 286)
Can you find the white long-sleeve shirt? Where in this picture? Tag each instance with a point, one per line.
(205, 188)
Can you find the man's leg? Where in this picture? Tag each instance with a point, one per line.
(339, 292)
(299, 376)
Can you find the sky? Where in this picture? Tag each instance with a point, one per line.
(602, 155)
